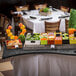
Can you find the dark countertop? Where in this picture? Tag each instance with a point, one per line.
(58, 50)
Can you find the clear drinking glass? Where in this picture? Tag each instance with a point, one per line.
(50, 8)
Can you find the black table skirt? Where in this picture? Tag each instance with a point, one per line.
(16, 52)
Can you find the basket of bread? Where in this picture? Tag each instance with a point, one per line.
(44, 11)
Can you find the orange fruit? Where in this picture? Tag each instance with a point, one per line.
(24, 30)
(15, 37)
(43, 38)
(20, 25)
(21, 33)
(10, 27)
(71, 30)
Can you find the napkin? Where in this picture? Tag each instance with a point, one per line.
(24, 12)
(63, 16)
(32, 17)
(46, 18)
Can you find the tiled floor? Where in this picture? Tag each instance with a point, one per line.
(1, 74)
(6, 68)
(8, 73)
(1, 52)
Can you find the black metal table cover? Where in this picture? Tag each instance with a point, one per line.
(65, 49)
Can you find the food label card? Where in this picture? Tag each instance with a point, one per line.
(16, 46)
(52, 46)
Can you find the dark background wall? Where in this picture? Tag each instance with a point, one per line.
(7, 5)
(55, 3)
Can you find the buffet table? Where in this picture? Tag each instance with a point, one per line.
(56, 59)
(47, 62)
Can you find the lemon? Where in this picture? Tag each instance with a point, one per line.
(10, 34)
(8, 31)
(23, 26)
(12, 37)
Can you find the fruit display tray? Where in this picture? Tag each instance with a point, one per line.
(13, 44)
(30, 42)
(72, 40)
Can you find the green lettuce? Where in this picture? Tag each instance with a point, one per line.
(72, 21)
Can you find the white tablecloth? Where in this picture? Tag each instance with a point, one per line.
(37, 25)
(44, 65)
